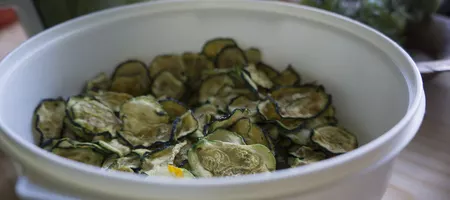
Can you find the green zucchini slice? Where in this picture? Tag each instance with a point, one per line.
(173, 107)
(184, 125)
(303, 102)
(113, 100)
(225, 136)
(211, 86)
(115, 146)
(231, 57)
(195, 64)
(288, 77)
(98, 83)
(268, 70)
(133, 85)
(242, 102)
(216, 158)
(212, 47)
(300, 137)
(229, 120)
(49, 119)
(171, 63)
(87, 153)
(91, 117)
(166, 85)
(334, 139)
(253, 55)
(303, 155)
(260, 78)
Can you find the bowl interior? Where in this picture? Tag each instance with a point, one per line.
(369, 91)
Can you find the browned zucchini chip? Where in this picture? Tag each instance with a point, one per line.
(270, 72)
(334, 139)
(212, 47)
(133, 85)
(242, 102)
(49, 116)
(251, 133)
(267, 109)
(231, 57)
(171, 63)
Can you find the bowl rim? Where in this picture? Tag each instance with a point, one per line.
(47, 37)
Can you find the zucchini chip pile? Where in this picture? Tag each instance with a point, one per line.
(219, 112)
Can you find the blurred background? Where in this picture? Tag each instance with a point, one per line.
(407, 22)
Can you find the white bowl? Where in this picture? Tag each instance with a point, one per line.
(375, 85)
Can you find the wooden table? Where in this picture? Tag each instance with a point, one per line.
(422, 170)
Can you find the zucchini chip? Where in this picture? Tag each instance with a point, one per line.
(166, 85)
(211, 86)
(224, 135)
(303, 102)
(184, 125)
(87, 153)
(131, 68)
(253, 55)
(242, 102)
(131, 77)
(91, 118)
(130, 163)
(300, 137)
(231, 57)
(251, 85)
(49, 116)
(112, 99)
(206, 108)
(216, 159)
(288, 77)
(267, 109)
(161, 158)
(115, 146)
(171, 63)
(144, 122)
(333, 139)
(251, 133)
(212, 47)
(260, 78)
(303, 155)
(173, 107)
(98, 83)
(229, 120)
(326, 118)
(195, 64)
(270, 72)
(133, 85)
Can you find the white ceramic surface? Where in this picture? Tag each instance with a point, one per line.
(375, 86)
